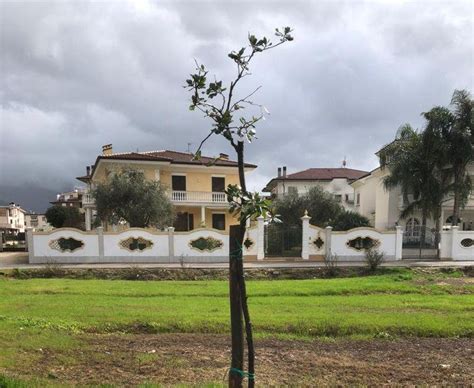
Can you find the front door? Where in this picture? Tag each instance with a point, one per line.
(184, 222)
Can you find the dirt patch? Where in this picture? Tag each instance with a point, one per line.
(169, 359)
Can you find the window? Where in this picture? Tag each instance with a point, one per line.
(449, 220)
(338, 197)
(292, 190)
(178, 182)
(218, 184)
(412, 228)
(218, 221)
(346, 197)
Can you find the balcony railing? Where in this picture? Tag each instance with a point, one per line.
(88, 199)
(177, 196)
(198, 196)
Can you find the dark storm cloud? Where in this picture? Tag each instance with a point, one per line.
(76, 75)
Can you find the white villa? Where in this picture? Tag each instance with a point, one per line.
(336, 181)
(383, 207)
(12, 219)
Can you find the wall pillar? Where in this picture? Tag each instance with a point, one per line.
(29, 244)
(171, 243)
(454, 234)
(327, 244)
(1, 240)
(305, 243)
(88, 219)
(398, 242)
(260, 238)
(100, 236)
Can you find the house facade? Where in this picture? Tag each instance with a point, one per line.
(195, 187)
(71, 198)
(383, 207)
(37, 222)
(12, 219)
(335, 181)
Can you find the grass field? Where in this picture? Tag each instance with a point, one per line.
(55, 315)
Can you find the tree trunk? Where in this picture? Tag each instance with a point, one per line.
(422, 231)
(455, 215)
(236, 258)
(456, 205)
(437, 235)
(237, 361)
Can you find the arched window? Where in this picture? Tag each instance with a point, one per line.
(412, 228)
(449, 220)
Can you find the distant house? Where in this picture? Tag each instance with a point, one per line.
(37, 222)
(195, 187)
(71, 198)
(12, 219)
(336, 181)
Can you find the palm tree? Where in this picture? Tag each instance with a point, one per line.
(412, 160)
(460, 140)
(439, 121)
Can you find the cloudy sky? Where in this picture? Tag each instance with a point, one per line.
(77, 74)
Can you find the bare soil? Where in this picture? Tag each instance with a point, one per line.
(169, 359)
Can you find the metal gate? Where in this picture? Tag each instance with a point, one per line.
(283, 240)
(420, 243)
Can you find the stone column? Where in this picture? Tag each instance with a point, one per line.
(306, 237)
(203, 217)
(398, 242)
(171, 243)
(88, 219)
(260, 238)
(327, 243)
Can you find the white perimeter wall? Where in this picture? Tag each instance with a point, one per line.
(387, 244)
(451, 247)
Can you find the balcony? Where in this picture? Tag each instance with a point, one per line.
(88, 199)
(198, 197)
(185, 197)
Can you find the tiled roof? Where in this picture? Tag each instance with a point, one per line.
(319, 174)
(173, 157)
(326, 174)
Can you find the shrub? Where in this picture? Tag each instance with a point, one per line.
(373, 258)
(348, 220)
(321, 206)
(61, 216)
(330, 262)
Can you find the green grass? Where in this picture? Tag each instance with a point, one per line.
(51, 314)
(396, 304)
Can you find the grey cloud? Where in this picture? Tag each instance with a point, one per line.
(76, 75)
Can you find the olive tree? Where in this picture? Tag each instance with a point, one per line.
(227, 113)
(64, 216)
(128, 196)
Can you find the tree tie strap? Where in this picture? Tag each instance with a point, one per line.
(242, 373)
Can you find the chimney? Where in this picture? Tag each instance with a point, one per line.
(279, 172)
(88, 170)
(223, 156)
(107, 149)
(284, 171)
